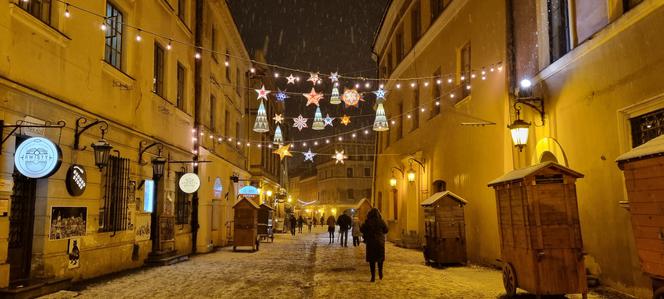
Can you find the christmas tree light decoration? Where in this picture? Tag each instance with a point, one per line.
(380, 93)
(281, 96)
(261, 125)
(334, 77)
(313, 97)
(290, 79)
(276, 75)
(300, 122)
(262, 93)
(339, 156)
(278, 118)
(314, 78)
(309, 156)
(351, 97)
(335, 99)
(278, 136)
(328, 120)
(380, 123)
(318, 121)
(283, 152)
(345, 120)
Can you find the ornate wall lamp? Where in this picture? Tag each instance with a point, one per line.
(158, 162)
(393, 179)
(411, 172)
(519, 128)
(101, 148)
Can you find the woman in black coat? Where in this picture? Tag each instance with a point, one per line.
(373, 231)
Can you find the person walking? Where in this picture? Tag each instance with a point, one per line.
(322, 221)
(315, 221)
(330, 227)
(300, 223)
(344, 221)
(373, 231)
(292, 223)
(309, 223)
(356, 231)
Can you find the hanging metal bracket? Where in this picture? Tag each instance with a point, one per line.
(535, 103)
(22, 124)
(82, 127)
(142, 148)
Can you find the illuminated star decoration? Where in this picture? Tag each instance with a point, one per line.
(345, 120)
(278, 118)
(300, 122)
(313, 97)
(282, 151)
(339, 156)
(262, 93)
(351, 97)
(309, 156)
(334, 77)
(281, 96)
(291, 79)
(328, 120)
(380, 93)
(313, 77)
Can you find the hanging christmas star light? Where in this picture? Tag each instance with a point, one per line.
(261, 125)
(262, 93)
(380, 93)
(339, 156)
(278, 137)
(281, 96)
(278, 118)
(328, 120)
(380, 123)
(313, 97)
(334, 77)
(318, 121)
(290, 79)
(345, 120)
(300, 122)
(314, 78)
(335, 99)
(309, 156)
(283, 152)
(351, 97)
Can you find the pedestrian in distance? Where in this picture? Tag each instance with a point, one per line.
(315, 221)
(373, 231)
(309, 224)
(344, 221)
(331, 223)
(356, 231)
(300, 223)
(322, 221)
(293, 223)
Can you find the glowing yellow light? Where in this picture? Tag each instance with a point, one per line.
(393, 182)
(269, 193)
(411, 175)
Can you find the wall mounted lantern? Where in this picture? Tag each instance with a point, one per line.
(102, 149)
(519, 129)
(411, 172)
(158, 162)
(393, 179)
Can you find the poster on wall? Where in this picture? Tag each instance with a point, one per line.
(142, 228)
(68, 222)
(74, 253)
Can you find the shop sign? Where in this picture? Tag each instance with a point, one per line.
(37, 157)
(76, 180)
(34, 131)
(189, 183)
(148, 196)
(249, 191)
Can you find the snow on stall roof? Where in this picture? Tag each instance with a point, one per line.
(652, 147)
(524, 172)
(247, 199)
(359, 204)
(437, 196)
(269, 207)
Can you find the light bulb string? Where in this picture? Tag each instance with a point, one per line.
(271, 65)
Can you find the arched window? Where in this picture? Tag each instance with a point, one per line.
(439, 186)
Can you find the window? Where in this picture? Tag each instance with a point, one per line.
(629, 4)
(181, 203)
(182, 9)
(237, 130)
(465, 70)
(349, 172)
(227, 123)
(367, 171)
(439, 186)
(416, 23)
(437, 8)
(559, 42)
(647, 127)
(114, 31)
(181, 75)
(228, 65)
(40, 9)
(213, 43)
(400, 120)
(158, 76)
(113, 214)
(213, 113)
(237, 82)
(400, 46)
(350, 194)
(435, 95)
(390, 63)
(416, 109)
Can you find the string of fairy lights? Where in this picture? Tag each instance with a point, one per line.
(360, 87)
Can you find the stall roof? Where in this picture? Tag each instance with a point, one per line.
(437, 196)
(249, 200)
(650, 148)
(518, 174)
(265, 205)
(359, 204)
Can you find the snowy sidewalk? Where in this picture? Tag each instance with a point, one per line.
(304, 266)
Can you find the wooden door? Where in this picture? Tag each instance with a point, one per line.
(21, 223)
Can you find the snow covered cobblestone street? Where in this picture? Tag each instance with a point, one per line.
(304, 266)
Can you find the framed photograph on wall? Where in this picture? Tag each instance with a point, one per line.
(68, 222)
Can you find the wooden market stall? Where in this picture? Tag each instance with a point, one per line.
(444, 229)
(265, 218)
(362, 209)
(245, 227)
(643, 167)
(540, 234)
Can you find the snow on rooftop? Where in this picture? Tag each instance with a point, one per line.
(650, 148)
(437, 196)
(524, 172)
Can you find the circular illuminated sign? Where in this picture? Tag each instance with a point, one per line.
(37, 157)
(189, 183)
(249, 191)
(76, 180)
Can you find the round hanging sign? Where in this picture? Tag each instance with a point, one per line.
(189, 183)
(37, 157)
(76, 180)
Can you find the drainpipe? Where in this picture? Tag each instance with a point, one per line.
(198, 81)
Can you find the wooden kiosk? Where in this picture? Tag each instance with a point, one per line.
(362, 209)
(444, 229)
(540, 235)
(245, 228)
(265, 216)
(643, 167)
